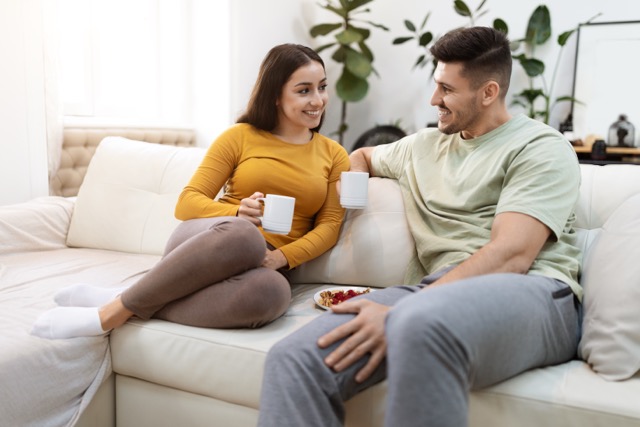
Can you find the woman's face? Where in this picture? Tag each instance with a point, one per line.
(303, 99)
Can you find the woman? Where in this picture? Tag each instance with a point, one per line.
(220, 268)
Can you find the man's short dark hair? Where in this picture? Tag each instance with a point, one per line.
(483, 51)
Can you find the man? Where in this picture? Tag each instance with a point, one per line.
(489, 199)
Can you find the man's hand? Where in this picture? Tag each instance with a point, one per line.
(360, 161)
(251, 208)
(274, 259)
(364, 334)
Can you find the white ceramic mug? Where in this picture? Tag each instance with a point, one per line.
(354, 189)
(278, 213)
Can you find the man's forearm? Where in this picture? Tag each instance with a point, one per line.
(360, 160)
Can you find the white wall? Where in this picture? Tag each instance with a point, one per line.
(23, 141)
(228, 40)
(400, 93)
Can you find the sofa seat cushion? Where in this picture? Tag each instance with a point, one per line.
(227, 366)
(570, 394)
(50, 382)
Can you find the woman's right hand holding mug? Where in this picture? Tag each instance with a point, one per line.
(251, 208)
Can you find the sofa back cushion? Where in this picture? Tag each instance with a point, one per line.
(128, 196)
(611, 279)
(608, 223)
(375, 245)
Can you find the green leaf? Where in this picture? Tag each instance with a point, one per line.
(354, 4)
(562, 38)
(409, 25)
(340, 55)
(533, 67)
(481, 4)
(531, 94)
(349, 36)
(366, 51)
(425, 39)
(323, 29)
(350, 88)
(323, 47)
(566, 98)
(364, 32)
(338, 11)
(424, 21)
(358, 64)
(401, 40)
(419, 61)
(539, 28)
(500, 25)
(461, 8)
(380, 26)
(481, 14)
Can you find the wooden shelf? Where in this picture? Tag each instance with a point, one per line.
(623, 151)
(614, 155)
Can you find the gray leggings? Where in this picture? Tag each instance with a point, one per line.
(211, 276)
(442, 343)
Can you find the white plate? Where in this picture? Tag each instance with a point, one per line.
(316, 296)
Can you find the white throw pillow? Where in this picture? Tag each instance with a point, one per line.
(375, 244)
(611, 279)
(128, 196)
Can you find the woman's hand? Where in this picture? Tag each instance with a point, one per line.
(364, 334)
(274, 259)
(251, 208)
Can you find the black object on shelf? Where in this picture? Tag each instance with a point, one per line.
(599, 150)
(383, 134)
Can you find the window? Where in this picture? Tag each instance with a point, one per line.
(126, 61)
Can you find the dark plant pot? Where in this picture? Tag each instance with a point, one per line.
(379, 135)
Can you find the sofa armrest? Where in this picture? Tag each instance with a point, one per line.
(37, 225)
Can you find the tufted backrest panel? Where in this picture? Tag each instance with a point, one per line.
(79, 145)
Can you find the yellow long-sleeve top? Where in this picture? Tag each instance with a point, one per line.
(249, 160)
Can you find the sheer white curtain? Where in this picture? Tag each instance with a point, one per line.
(52, 101)
(126, 61)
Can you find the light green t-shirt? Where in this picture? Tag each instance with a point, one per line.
(453, 188)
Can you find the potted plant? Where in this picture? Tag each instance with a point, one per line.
(350, 37)
(424, 37)
(538, 33)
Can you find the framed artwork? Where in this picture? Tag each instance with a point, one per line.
(606, 81)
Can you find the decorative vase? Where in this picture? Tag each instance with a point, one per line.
(621, 133)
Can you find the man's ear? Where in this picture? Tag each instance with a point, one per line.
(490, 92)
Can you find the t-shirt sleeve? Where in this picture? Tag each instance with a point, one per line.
(390, 160)
(543, 181)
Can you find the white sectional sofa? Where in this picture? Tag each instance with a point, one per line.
(155, 373)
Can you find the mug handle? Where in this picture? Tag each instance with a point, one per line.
(262, 200)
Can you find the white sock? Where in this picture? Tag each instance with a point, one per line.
(84, 295)
(68, 322)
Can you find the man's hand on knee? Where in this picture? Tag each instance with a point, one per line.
(363, 335)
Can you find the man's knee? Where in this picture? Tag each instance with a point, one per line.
(417, 323)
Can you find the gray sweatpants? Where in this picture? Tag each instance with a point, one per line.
(442, 343)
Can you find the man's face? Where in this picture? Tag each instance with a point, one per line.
(458, 103)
